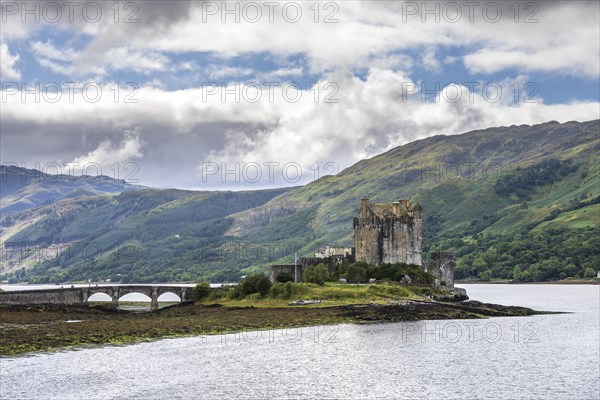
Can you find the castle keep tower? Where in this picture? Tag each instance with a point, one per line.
(389, 233)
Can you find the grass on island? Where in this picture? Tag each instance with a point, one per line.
(330, 294)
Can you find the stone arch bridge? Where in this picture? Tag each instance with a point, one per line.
(78, 296)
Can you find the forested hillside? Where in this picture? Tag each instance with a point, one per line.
(502, 199)
(142, 236)
(510, 202)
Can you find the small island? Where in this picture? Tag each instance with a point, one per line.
(229, 309)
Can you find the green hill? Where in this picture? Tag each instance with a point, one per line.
(509, 202)
(139, 236)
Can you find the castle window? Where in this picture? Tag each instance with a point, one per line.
(361, 242)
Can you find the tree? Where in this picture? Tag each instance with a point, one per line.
(589, 273)
(263, 286)
(517, 273)
(258, 283)
(486, 275)
(201, 291)
(356, 273)
(283, 277)
(316, 274)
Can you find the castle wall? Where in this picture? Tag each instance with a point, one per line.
(401, 242)
(391, 239)
(367, 241)
(442, 265)
(330, 262)
(329, 251)
(289, 268)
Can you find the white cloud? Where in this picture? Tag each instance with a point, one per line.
(8, 68)
(72, 62)
(451, 59)
(372, 116)
(125, 59)
(220, 72)
(561, 59)
(370, 38)
(182, 129)
(564, 38)
(107, 153)
(371, 30)
(429, 60)
(285, 72)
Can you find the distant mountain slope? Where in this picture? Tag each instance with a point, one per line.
(22, 188)
(427, 171)
(463, 183)
(509, 202)
(143, 235)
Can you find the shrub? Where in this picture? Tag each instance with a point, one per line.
(360, 272)
(357, 273)
(282, 290)
(263, 285)
(258, 283)
(236, 292)
(316, 274)
(220, 293)
(278, 290)
(283, 277)
(201, 291)
(589, 273)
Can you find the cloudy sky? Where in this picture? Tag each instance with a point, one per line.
(242, 95)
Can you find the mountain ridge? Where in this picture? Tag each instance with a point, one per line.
(471, 211)
(24, 188)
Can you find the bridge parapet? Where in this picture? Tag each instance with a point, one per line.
(80, 296)
(67, 297)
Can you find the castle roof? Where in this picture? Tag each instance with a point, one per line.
(383, 210)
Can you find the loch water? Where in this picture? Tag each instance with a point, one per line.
(553, 356)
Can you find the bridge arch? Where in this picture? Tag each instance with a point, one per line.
(145, 290)
(169, 297)
(143, 299)
(116, 293)
(99, 297)
(132, 297)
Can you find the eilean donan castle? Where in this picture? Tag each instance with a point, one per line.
(389, 233)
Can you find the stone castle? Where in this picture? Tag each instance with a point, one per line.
(389, 233)
(383, 234)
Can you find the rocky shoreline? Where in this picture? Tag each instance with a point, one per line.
(25, 329)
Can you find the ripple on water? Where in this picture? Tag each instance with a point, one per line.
(543, 356)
